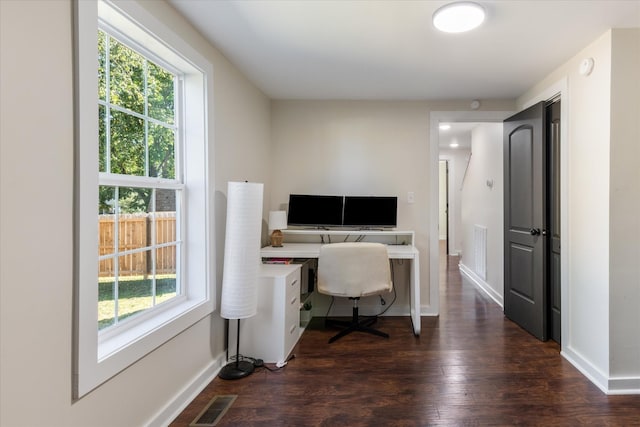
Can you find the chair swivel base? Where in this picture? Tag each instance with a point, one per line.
(354, 325)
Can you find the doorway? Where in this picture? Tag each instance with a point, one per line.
(430, 305)
(436, 118)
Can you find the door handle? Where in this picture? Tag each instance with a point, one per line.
(535, 231)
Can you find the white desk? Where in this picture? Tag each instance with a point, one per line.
(312, 250)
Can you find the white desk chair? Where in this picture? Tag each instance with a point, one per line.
(354, 270)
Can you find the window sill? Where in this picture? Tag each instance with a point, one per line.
(124, 348)
(159, 322)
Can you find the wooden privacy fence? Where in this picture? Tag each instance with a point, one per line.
(135, 232)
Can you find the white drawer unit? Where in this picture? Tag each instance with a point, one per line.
(272, 333)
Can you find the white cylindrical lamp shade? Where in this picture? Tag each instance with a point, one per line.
(242, 250)
(277, 220)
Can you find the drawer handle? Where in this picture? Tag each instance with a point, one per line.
(293, 328)
(293, 300)
(294, 282)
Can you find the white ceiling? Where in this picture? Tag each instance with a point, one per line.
(459, 133)
(386, 49)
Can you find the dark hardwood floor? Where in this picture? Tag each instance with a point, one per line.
(470, 366)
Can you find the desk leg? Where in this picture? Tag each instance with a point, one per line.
(414, 304)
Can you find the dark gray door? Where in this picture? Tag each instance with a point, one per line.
(525, 293)
(553, 141)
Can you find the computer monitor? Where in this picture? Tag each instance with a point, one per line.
(315, 210)
(370, 211)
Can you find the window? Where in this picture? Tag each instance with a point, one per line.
(144, 263)
(140, 188)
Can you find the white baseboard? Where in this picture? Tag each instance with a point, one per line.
(428, 311)
(484, 286)
(608, 385)
(624, 385)
(586, 368)
(367, 310)
(368, 306)
(188, 393)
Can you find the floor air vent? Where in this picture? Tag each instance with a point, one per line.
(214, 411)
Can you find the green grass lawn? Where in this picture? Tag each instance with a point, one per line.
(134, 296)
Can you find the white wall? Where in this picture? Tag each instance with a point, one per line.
(600, 281)
(624, 194)
(458, 159)
(36, 224)
(356, 148)
(483, 205)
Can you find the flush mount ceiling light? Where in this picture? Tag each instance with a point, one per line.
(444, 126)
(458, 17)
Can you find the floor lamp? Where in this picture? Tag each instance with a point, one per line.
(241, 264)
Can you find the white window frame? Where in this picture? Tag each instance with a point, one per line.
(98, 357)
